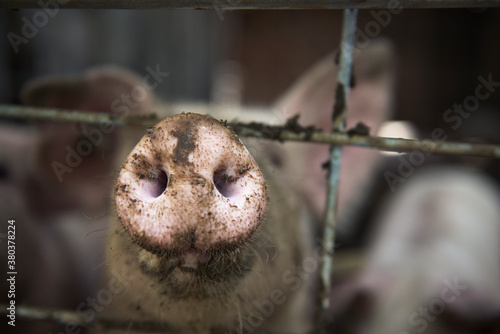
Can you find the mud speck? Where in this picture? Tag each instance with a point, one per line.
(186, 143)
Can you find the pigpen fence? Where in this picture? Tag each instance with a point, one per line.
(291, 131)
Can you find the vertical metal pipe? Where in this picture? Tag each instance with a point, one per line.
(339, 116)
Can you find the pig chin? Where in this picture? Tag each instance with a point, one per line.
(199, 275)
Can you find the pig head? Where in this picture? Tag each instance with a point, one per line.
(194, 229)
(192, 225)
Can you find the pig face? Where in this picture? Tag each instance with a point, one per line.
(191, 193)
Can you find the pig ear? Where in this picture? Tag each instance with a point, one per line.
(51, 91)
(99, 89)
(313, 97)
(371, 99)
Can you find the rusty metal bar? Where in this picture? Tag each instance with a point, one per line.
(427, 146)
(62, 115)
(250, 4)
(72, 319)
(257, 130)
(339, 117)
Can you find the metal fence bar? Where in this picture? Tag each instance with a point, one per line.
(250, 4)
(427, 146)
(72, 320)
(287, 132)
(64, 115)
(338, 117)
(336, 139)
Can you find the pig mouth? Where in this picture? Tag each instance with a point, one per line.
(200, 274)
(209, 265)
(192, 259)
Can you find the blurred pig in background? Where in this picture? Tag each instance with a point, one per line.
(59, 198)
(432, 265)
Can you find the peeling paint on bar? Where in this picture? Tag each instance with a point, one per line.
(387, 144)
(338, 118)
(68, 115)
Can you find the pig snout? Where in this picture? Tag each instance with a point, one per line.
(190, 187)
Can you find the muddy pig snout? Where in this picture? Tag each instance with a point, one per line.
(190, 185)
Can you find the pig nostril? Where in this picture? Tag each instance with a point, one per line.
(224, 183)
(159, 183)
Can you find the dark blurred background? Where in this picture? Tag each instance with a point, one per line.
(440, 55)
(441, 52)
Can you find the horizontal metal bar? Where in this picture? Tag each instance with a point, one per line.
(66, 115)
(74, 319)
(250, 4)
(290, 131)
